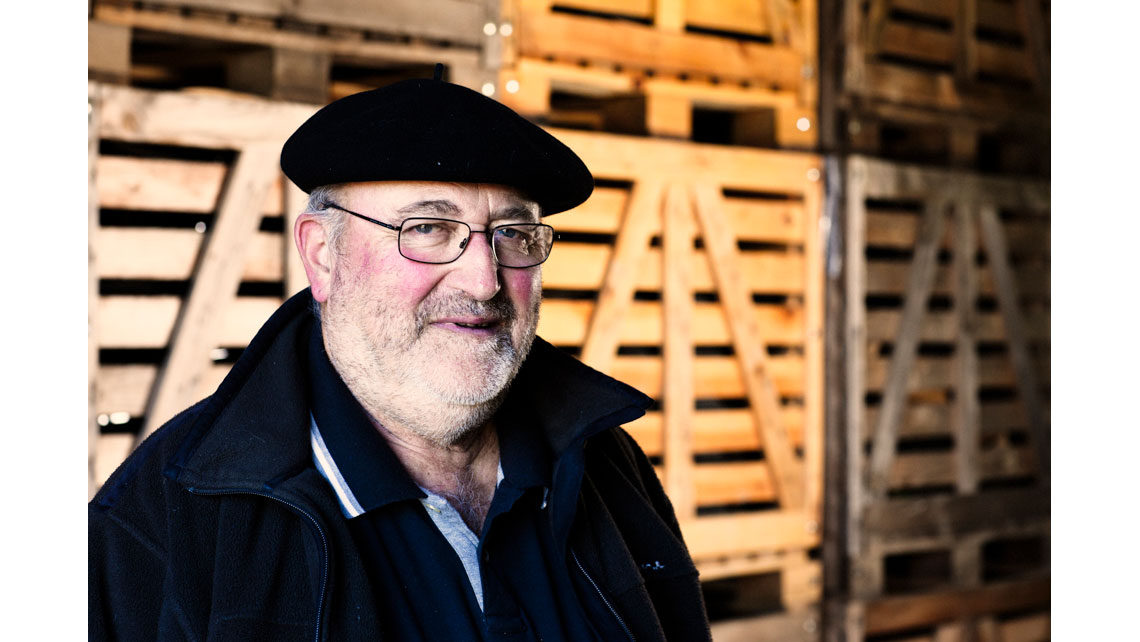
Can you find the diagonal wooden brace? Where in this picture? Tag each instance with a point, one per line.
(905, 346)
(215, 283)
(751, 350)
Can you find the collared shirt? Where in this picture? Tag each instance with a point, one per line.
(414, 549)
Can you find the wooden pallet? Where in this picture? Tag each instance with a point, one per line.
(946, 366)
(666, 68)
(305, 51)
(725, 333)
(952, 83)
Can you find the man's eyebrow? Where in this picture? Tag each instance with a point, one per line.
(435, 208)
(515, 211)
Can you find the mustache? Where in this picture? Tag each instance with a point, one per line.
(499, 308)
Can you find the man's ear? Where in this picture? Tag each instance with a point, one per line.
(313, 244)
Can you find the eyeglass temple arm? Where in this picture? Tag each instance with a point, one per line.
(358, 215)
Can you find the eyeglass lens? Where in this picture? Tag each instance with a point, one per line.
(436, 240)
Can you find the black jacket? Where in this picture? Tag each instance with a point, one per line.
(220, 528)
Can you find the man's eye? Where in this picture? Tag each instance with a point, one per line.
(508, 232)
(425, 228)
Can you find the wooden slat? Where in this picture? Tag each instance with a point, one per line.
(678, 352)
(624, 158)
(940, 326)
(93, 480)
(295, 277)
(905, 346)
(890, 278)
(894, 83)
(171, 254)
(750, 347)
(931, 373)
(933, 420)
(160, 184)
(891, 229)
(345, 48)
(716, 377)
(740, 16)
(196, 120)
(897, 181)
(721, 535)
(716, 431)
(147, 321)
(855, 334)
(563, 322)
(904, 612)
(814, 385)
(215, 284)
(126, 388)
(669, 15)
(1009, 303)
(581, 266)
(965, 26)
(622, 268)
(967, 413)
(111, 450)
(577, 38)
(1031, 628)
(951, 516)
(799, 626)
(632, 8)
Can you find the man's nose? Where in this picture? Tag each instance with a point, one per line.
(475, 271)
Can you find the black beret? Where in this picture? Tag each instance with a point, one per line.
(431, 130)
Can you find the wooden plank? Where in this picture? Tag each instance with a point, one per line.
(898, 181)
(798, 626)
(954, 515)
(1009, 304)
(679, 396)
(893, 83)
(624, 157)
(716, 377)
(582, 266)
(148, 321)
(814, 387)
(580, 38)
(215, 284)
(632, 8)
(1032, 25)
(340, 48)
(923, 470)
(669, 15)
(855, 335)
(875, 26)
(281, 74)
(125, 388)
(898, 230)
(889, 277)
(716, 430)
(934, 373)
(1030, 628)
(750, 347)
(167, 185)
(754, 564)
(196, 120)
(905, 347)
(563, 322)
(745, 533)
(967, 413)
(940, 326)
(966, 51)
(616, 292)
(111, 451)
(109, 50)
(738, 16)
(903, 612)
(171, 254)
(93, 437)
(455, 21)
(765, 221)
(930, 420)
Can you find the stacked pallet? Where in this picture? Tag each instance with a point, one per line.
(726, 72)
(947, 384)
(952, 83)
(307, 51)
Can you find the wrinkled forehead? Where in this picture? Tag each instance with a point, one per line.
(446, 200)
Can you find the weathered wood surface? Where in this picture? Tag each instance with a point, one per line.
(900, 613)
(680, 393)
(214, 287)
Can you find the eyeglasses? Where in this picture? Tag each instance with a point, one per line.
(441, 240)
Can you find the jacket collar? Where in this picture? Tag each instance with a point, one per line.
(253, 433)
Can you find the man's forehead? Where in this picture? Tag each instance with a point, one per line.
(441, 198)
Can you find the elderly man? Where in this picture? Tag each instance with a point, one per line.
(396, 456)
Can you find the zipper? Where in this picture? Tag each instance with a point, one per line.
(597, 588)
(296, 509)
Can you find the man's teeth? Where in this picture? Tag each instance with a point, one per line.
(472, 325)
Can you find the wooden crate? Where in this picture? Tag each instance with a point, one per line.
(308, 50)
(724, 332)
(947, 384)
(726, 72)
(954, 83)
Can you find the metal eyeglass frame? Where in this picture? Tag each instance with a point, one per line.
(463, 245)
